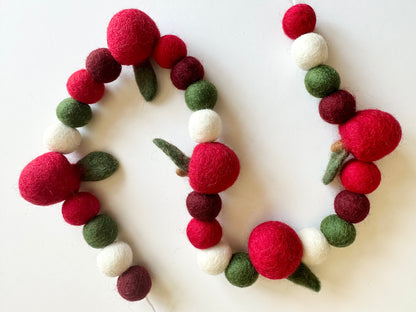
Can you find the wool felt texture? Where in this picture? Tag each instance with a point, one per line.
(338, 232)
(83, 88)
(187, 71)
(360, 177)
(274, 249)
(240, 271)
(131, 36)
(146, 80)
(315, 246)
(213, 168)
(214, 260)
(48, 179)
(338, 107)
(309, 50)
(204, 126)
(169, 50)
(203, 207)
(97, 166)
(334, 164)
(115, 259)
(371, 134)
(80, 208)
(102, 66)
(174, 153)
(201, 95)
(202, 234)
(322, 80)
(73, 113)
(61, 138)
(304, 276)
(298, 20)
(100, 231)
(351, 207)
(134, 284)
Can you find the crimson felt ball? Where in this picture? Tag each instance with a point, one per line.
(134, 284)
(102, 66)
(131, 36)
(186, 72)
(360, 177)
(169, 50)
(80, 208)
(203, 207)
(83, 88)
(48, 179)
(275, 249)
(351, 207)
(337, 107)
(203, 235)
(299, 20)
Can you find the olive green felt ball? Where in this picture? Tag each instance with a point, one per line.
(201, 95)
(73, 113)
(100, 231)
(322, 80)
(338, 232)
(240, 271)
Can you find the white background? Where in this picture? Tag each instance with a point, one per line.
(269, 120)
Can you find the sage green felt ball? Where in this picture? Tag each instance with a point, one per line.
(240, 271)
(72, 113)
(100, 231)
(338, 232)
(201, 95)
(322, 80)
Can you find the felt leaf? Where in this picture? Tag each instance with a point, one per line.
(97, 166)
(174, 153)
(335, 162)
(303, 276)
(146, 80)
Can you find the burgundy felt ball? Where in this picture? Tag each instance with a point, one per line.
(203, 235)
(83, 88)
(134, 284)
(186, 72)
(48, 179)
(275, 249)
(351, 207)
(131, 36)
(102, 66)
(299, 20)
(360, 177)
(169, 50)
(338, 107)
(80, 208)
(203, 207)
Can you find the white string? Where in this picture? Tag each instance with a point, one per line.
(150, 303)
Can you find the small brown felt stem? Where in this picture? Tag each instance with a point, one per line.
(337, 147)
(181, 173)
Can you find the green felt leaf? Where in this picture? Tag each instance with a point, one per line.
(174, 153)
(334, 165)
(146, 80)
(97, 166)
(303, 276)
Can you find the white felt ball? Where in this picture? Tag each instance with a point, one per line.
(309, 50)
(315, 246)
(205, 126)
(61, 138)
(214, 260)
(114, 259)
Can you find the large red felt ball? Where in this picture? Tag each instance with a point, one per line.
(102, 66)
(213, 168)
(169, 50)
(80, 208)
(360, 177)
(131, 36)
(48, 179)
(275, 249)
(186, 72)
(351, 207)
(83, 88)
(203, 207)
(299, 20)
(371, 134)
(337, 107)
(134, 284)
(203, 235)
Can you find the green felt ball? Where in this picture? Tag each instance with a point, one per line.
(322, 80)
(201, 95)
(240, 271)
(338, 232)
(97, 166)
(100, 231)
(73, 113)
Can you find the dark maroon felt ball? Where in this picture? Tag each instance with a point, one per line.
(351, 207)
(203, 207)
(134, 284)
(102, 66)
(186, 72)
(338, 107)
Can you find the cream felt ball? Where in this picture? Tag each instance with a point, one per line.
(214, 260)
(61, 138)
(309, 50)
(205, 126)
(315, 246)
(115, 259)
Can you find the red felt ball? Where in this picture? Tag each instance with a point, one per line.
(275, 249)
(102, 66)
(83, 88)
(202, 234)
(371, 134)
(351, 207)
(48, 179)
(169, 50)
(360, 177)
(186, 72)
(80, 208)
(134, 284)
(337, 107)
(131, 36)
(213, 168)
(203, 207)
(299, 20)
